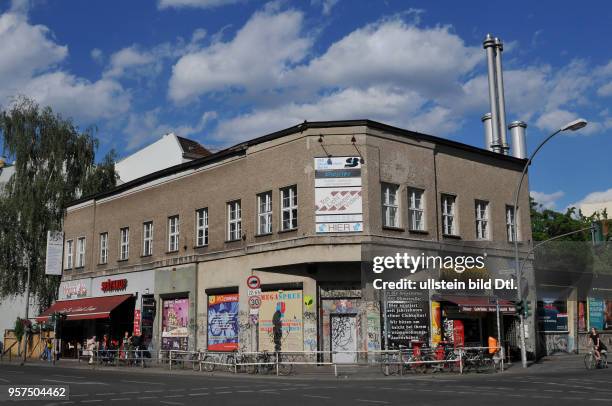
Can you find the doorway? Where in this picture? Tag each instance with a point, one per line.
(344, 338)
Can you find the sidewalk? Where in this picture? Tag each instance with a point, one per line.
(558, 363)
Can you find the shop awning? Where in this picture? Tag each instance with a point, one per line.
(86, 308)
(471, 304)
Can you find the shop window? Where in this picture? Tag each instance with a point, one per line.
(103, 248)
(482, 219)
(289, 208)
(234, 220)
(264, 213)
(80, 262)
(552, 316)
(173, 233)
(416, 209)
(124, 244)
(390, 205)
(147, 238)
(449, 204)
(202, 227)
(69, 247)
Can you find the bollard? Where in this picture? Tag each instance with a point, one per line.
(460, 360)
(170, 357)
(277, 363)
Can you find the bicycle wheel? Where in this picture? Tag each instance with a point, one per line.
(195, 362)
(230, 363)
(589, 361)
(208, 363)
(285, 369)
(389, 366)
(251, 368)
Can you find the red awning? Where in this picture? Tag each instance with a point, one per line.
(479, 303)
(86, 308)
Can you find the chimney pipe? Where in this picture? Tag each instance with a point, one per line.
(501, 102)
(490, 47)
(488, 130)
(519, 141)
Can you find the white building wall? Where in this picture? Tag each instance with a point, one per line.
(161, 154)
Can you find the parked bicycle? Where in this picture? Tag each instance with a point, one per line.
(267, 362)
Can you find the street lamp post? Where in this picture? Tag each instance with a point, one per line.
(572, 126)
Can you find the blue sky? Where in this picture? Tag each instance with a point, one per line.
(222, 71)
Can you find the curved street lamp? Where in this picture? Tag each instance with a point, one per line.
(571, 126)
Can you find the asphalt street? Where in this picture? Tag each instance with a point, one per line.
(573, 386)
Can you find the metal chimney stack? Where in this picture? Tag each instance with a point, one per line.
(488, 130)
(519, 141)
(494, 48)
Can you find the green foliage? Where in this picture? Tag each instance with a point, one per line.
(19, 328)
(54, 165)
(547, 223)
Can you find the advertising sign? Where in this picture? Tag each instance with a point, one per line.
(76, 289)
(596, 313)
(136, 322)
(280, 321)
(338, 200)
(436, 323)
(408, 316)
(223, 322)
(175, 321)
(55, 250)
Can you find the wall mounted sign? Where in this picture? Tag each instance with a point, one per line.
(114, 285)
(338, 200)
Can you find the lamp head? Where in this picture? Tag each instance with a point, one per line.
(574, 125)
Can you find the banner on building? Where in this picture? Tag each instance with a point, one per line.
(407, 316)
(436, 323)
(175, 321)
(338, 200)
(223, 322)
(136, 330)
(596, 313)
(55, 253)
(280, 321)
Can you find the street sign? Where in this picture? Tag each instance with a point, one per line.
(253, 282)
(254, 292)
(254, 302)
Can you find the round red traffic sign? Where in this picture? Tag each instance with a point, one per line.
(254, 302)
(253, 282)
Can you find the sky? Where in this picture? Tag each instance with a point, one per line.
(223, 71)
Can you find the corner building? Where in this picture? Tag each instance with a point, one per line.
(303, 209)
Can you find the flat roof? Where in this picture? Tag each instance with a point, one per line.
(240, 149)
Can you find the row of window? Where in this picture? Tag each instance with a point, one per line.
(289, 221)
(416, 213)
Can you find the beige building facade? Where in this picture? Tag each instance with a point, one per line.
(201, 228)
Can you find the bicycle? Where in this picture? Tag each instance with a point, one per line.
(265, 364)
(591, 362)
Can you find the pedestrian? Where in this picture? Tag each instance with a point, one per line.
(91, 346)
(598, 345)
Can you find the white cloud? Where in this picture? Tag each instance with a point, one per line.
(256, 58)
(547, 200)
(396, 106)
(605, 90)
(595, 202)
(97, 55)
(326, 5)
(127, 58)
(604, 196)
(30, 66)
(194, 3)
(553, 120)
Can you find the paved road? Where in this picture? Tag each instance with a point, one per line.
(129, 387)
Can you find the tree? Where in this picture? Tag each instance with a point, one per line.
(54, 165)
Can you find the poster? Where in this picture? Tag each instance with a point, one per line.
(436, 323)
(338, 200)
(175, 319)
(55, 253)
(136, 330)
(596, 313)
(281, 312)
(552, 316)
(223, 322)
(407, 316)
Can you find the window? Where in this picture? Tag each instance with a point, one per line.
(264, 213)
(390, 205)
(201, 227)
(448, 215)
(289, 208)
(482, 220)
(234, 221)
(511, 224)
(69, 254)
(147, 238)
(416, 210)
(103, 248)
(124, 244)
(173, 233)
(80, 260)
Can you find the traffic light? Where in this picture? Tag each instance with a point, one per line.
(527, 308)
(519, 308)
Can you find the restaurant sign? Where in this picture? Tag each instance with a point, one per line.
(114, 285)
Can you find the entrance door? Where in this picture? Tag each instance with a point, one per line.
(344, 338)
